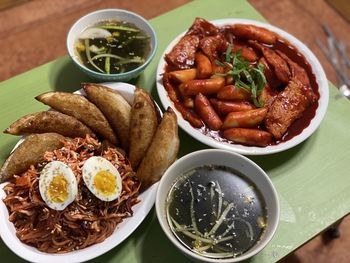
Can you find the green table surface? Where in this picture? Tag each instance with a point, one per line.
(311, 178)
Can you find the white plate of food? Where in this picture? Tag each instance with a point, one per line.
(104, 232)
(238, 121)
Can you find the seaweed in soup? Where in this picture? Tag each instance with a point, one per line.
(113, 47)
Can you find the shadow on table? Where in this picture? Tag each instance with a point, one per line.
(65, 76)
(287, 158)
(7, 148)
(156, 247)
(7, 255)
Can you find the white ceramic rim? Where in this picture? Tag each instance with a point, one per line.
(71, 53)
(123, 230)
(257, 247)
(251, 150)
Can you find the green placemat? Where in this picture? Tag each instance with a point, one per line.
(311, 178)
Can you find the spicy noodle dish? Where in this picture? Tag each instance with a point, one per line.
(55, 209)
(240, 84)
(82, 167)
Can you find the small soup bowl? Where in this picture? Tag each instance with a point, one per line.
(242, 165)
(111, 14)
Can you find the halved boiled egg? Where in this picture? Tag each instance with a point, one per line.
(102, 178)
(57, 185)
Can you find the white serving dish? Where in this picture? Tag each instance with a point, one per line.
(252, 150)
(123, 230)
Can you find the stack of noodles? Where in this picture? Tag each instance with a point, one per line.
(87, 220)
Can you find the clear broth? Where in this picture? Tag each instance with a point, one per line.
(123, 43)
(237, 231)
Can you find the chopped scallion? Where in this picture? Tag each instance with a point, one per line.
(122, 28)
(108, 64)
(107, 55)
(252, 79)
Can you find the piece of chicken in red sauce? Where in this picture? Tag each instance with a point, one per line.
(288, 106)
(183, 53)
(202, 28)
(199, 60)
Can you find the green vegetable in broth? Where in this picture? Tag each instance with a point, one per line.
(113, 47)
(108, 64)
(124, 28)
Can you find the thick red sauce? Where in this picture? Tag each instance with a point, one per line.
(300, 124)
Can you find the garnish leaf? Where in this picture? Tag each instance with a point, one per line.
(219, 63)
(251, 79)
(228, 56)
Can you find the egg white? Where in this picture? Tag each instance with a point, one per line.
(97, 164)
(47, 174)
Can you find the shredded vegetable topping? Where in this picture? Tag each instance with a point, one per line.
(87, 220)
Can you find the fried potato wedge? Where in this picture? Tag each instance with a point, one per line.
(162, 151)
(49, 121)
(30, 152)
(79, 107)
(115, 108)
(143, 125)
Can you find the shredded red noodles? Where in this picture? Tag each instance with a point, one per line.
(87, 220)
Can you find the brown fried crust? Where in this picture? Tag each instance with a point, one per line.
(49, 121)
(143, 125)
(30, 152)
(115, 108)
(162, 151)
(79, 107)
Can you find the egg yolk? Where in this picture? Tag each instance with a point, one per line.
(58, 189)
(105, 183)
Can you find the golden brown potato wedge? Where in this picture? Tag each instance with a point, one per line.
(115, 108)
(49, 121)
(162, 151)
(79, 107)
(143, 125)
(30, 152)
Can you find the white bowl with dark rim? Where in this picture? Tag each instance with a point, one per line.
(231, 160)
(240, 148)
(111, 14)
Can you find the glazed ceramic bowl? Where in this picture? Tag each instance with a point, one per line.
(231, 160)
(108, 14)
